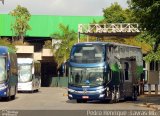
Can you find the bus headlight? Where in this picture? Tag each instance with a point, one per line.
(71, 90)
(100, 90)
(3, 86)
(70, 95)
(107, 88)
(101, 95)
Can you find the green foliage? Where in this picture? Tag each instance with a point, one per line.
(20, 25)
(145, 46)
(153, 56)
(66, 40)
(115, 67)
(139, 70)
(115, 14)
(148, 13)
(147, 38)
(6, 42)
(48, 44)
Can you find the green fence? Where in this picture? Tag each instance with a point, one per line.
(59, 82)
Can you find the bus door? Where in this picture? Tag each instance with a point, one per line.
(127, 78)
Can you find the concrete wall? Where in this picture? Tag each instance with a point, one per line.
(47, 52)
(37, 56)
(25, 49)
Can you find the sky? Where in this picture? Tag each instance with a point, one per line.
(61, 7)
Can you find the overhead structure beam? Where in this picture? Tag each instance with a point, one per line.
(109, 29)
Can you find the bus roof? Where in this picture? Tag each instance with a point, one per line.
(107, 43)
(5, 49)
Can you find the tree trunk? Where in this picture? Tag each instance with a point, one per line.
(22, 38)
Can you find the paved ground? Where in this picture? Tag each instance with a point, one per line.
(56, 99)
(150, 101)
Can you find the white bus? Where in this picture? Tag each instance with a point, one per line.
(29, 74)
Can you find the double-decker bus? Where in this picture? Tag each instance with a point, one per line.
(29, 74)
(104, 71)
(8, 73)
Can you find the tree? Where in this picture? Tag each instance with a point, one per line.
(20, 26)
(148, 13)
(64, 41)
(115, 14)
(6, 42)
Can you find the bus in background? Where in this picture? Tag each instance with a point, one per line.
(29, 74)
(8, 73)
(104, 71)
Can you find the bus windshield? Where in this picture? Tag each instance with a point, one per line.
(87, 54)
(25, 73)
(86, 77)
(2, 69)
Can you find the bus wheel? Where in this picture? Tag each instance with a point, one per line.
(111, 101)
(13, 97)
(15, 91)
(37, 90)
(8, 95)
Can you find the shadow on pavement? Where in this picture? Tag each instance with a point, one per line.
(7, 100)
(100, 102)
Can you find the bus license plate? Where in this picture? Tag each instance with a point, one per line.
(85, 97)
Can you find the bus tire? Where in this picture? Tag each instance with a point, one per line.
(37, 90)
(8, 98)
(13, 97)
(111, 101)
(15, 92)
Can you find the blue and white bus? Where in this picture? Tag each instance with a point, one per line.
(104, 71)
(8, 73)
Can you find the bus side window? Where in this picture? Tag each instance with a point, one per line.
(126, 71)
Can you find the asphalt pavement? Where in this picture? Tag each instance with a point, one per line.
(150, 101)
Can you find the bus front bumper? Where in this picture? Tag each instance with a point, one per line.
(28, 86)
(86, 96)
(87, 93)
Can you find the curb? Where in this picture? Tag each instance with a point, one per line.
(150, 105)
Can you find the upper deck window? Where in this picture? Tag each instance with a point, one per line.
(87, 53)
